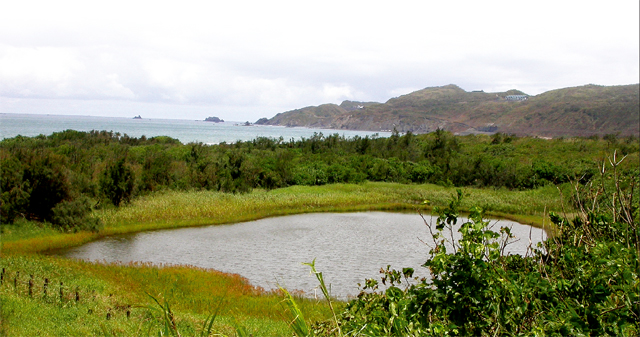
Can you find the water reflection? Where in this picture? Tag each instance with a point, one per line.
(349, 247)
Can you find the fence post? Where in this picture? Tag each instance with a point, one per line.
(61, 293)
(2, 277)
(15, 281)
(46, 285)
(77, 295)
(31, 286)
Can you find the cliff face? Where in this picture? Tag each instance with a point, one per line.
(578, 111)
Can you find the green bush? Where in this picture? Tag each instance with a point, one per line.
(117, 182)
(583, 281)
(75, 215)
(310, 175)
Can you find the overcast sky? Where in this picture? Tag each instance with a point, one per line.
(242, 60)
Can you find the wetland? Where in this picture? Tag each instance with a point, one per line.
(349, 247)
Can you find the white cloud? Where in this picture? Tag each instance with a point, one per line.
(337, 93)
(281, 55)
(36, 71)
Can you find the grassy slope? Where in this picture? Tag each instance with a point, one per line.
(576, 111)
(193, 292)
(309, 116)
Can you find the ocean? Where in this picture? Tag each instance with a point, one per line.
(186, 131)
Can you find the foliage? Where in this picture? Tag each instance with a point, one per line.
(15, 192)
(298, 324)
(47, 187)
(116, 183)
(582, 281)
(39, 173)
(325, 292)
(74, 215)
(168, 318)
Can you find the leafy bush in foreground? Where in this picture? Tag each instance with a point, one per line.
(583, 281)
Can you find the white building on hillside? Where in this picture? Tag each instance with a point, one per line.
(516, 97)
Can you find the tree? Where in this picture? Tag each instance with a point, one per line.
(116, 182)
(48, 186)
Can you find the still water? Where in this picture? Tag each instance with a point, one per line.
(348, 248)
(186, 131)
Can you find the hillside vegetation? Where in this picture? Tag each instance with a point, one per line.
(578, 111)
(72, 187)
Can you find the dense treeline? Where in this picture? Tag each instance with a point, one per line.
(61, 177)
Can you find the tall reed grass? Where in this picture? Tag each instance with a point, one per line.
(175, 209)
(172, 209)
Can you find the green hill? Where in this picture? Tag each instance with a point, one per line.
(577, 111)
(312, 116)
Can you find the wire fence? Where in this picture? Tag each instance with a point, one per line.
(51, 290)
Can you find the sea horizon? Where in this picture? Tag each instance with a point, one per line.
(185, 130)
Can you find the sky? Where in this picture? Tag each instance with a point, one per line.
(242, 60)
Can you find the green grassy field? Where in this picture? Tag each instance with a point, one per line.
(195, 293)
(114, 290)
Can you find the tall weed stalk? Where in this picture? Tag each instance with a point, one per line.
(168, 318)
(325, 292)
(169, 323)
(298, 323)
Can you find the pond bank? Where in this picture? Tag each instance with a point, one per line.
(347, 247)
(171, 209)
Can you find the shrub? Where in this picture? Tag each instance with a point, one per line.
(581, 282)
(74, 215)
(311, 175)
(48, 187)
(116, 182)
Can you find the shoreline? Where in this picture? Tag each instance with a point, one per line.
(145, 213)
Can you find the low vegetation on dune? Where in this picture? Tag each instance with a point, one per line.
(73, 187)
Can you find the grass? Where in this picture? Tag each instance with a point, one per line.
(173, 209)
(194, 293)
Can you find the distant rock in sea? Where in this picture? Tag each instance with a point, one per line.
(137, 117)
(214, 119)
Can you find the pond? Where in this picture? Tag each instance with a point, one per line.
(348, 248)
